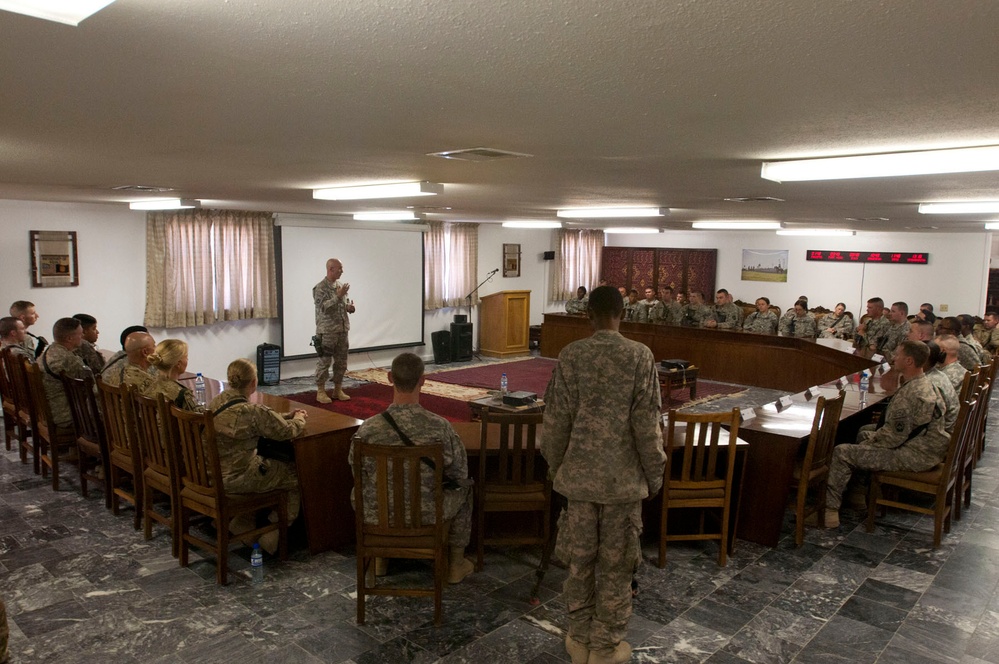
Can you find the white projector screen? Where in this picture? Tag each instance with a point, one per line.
(383, 265)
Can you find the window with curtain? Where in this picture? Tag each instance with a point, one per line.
(208, 266)
(451, 264)
(577, 262)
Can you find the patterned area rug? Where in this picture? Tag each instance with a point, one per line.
(373, 398)
(530, 375)
(431, 387)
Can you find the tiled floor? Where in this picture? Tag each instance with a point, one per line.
(81, 585)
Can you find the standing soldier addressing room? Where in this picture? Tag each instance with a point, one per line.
(332, 326)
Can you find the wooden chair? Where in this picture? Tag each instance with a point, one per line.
(123, 448)
(937, 482)
(399, 528)
(517, 482)
(703, 477)
(16, 407)
(159, 464)
(970, 451)
(91, 441)
(990, 374)
(813, 471)
(202, 492)
(51, 441)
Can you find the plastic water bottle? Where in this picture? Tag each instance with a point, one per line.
(864, 386)
(257, 564)
(503, 385)
(199, 389)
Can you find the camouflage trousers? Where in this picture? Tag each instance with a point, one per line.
(458, 508)
(273, 475)
(600, 544)
(335, 346)
(848, 458)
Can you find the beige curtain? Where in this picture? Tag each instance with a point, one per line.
(207, 266)
(450, 265)
(577, 262)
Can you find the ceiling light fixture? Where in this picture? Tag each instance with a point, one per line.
(960, 207)
(398, 215)
(736, 225)
(622, 230)
(393, 190)
(612, 212)
(926, 162)
(165, 204)
(532, 224)
(68, 12)
(992, 226)
(816, 232)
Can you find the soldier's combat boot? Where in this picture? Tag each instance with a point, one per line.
(577, 651)
(460, 567)
(620, 654)
(340, 394)
(321, 395)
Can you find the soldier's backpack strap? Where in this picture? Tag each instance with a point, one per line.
(45, 365)
(406, 439)
(228, 404)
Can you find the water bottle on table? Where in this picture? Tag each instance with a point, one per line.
(503, 385)
(864, 386)
(257, 564)
(199, 389)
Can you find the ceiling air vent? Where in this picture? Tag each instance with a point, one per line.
(478, 154)
(146, 189)
(868, 220)
(754, 199)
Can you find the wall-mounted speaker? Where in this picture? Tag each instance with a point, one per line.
(548, 255)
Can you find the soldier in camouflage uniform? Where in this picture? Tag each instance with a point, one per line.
(727, 315)
(797, 322)
(652, 309)
(987, 334)
(239, 425)
(967, 333)
(134, 368)
(602, 439)
(170, 361)
(59, 358)
(26, 313)
(87, 351)
(941, 383)
(633, 307)
(12, 335)
(836, 325)
(696, 313)
(761, 321)
(423, 428)
(577, 305)
(332, 326)
(870, 335)
(967, 354)
(672, 310)
(911, 437)
(897, 331)
(949, 364)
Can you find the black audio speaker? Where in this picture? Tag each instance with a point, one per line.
(268, 364)
(442, 346)
(549, 255)
(461, 341)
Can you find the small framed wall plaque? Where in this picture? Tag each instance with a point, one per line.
(511, 260)
(54, 259)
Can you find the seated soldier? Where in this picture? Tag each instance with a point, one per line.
(797, 322)
(941, 382)
(920, 330)
(632, 307)
(696, 313)
(967, 333)
(405, 422)
(12, 335)
(170, 361)
(897, 331)
(25, 312)
(672, 309)
(727, 315)
(134, 369)
(761, 321)
(652, 309)
(911, 435)
(88, 348)
(836, 325)
(60, 358)
(949, 364)
(988, 334)
(119, 356)
(871, 332)
(577, 305)
(967, 353)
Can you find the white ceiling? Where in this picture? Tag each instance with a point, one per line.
(250, 104)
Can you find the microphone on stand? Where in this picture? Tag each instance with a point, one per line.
(494, 271)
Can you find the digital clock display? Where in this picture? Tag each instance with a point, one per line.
(900, 258)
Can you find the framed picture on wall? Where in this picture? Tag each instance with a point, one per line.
(54, 259)
(511, 260)
(764, 265)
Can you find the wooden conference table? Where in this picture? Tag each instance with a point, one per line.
(323, 470)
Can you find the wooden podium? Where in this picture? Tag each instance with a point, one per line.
(504, 323)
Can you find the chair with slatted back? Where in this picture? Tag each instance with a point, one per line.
(16, 404)
(970, 390)
(396, 525)
(202, 492)
(938, 481)
(813, 471)
(990, 376)
(970, 451)
(53, 442)
(91, 441)
(18, 375)
(159, 464)
(699, 475)
(512, 478)
(123, 448)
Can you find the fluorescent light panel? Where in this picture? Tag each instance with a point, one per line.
(817, 232)
(68, 12)
(992, 226)
(737, 225)
(960, 207)
(397, 215)
(612, 212)
(393, 190)
(165, 204)
(958, 160)
(532, 224)
(621, 230)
